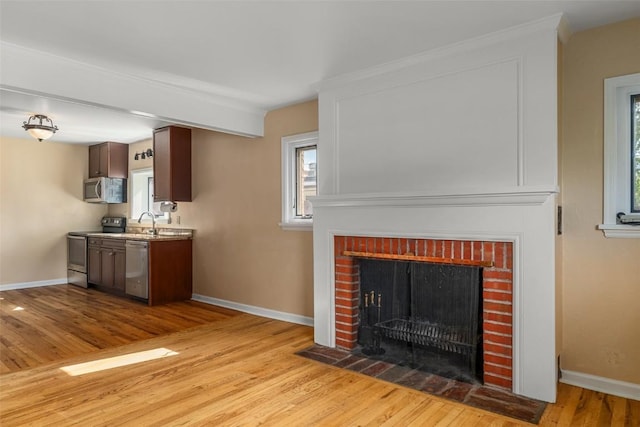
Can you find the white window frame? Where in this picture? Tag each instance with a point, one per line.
(161, 217)
(617, 154)
(289, 146)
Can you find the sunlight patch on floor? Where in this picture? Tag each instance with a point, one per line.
(117, 361)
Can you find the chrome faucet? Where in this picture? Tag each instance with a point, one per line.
(153, 231)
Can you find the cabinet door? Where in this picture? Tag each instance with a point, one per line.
(117, 163)
(161, 166)
(170, 271)
(104, 159)
(94, 268)
(120, 272)
(172, 164)
(108, 265)
(110, 159)
(94, 162)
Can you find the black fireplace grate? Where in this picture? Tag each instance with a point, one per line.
(448, 338)
(423, 313)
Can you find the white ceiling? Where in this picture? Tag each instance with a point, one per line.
(262, 54)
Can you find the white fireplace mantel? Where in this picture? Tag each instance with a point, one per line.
(531, 229)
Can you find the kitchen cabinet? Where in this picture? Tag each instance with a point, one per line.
(170, 275)
(172, 164)
(106, 267)
(109, 159)
(169, 264)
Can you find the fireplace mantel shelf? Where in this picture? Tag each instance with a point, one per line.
(412, 257)
(513, 196)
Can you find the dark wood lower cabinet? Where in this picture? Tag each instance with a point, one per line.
(107, 264)
(170, 276)
(119, 269)
(169, 269)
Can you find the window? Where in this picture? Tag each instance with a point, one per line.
(299, 174)
(141, 197)
(621, 154)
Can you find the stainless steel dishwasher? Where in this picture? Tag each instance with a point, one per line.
(137, 267)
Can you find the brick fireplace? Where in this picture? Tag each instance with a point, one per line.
(497, 290)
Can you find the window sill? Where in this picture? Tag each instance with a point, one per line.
(296, 226)
(620, 231)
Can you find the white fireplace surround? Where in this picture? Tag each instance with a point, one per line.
(534, 363)
(456, 144)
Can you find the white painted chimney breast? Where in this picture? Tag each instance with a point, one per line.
(460, 143)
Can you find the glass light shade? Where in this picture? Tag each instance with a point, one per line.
(40, 134)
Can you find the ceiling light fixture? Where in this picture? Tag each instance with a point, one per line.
(38, 129)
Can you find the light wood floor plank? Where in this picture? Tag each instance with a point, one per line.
(231, 369)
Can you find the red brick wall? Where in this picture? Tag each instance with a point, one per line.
(497, 290)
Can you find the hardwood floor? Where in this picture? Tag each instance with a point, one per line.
(228, 369)
(47, 324)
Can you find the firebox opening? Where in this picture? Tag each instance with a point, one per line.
(424, 315)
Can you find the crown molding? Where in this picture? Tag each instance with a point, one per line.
(550, 23)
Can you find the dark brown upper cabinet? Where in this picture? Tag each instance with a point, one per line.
(109, 159)
(172, 164)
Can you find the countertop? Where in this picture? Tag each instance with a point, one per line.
(135, 236)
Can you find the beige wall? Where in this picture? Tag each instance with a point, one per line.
(240, 252)
(601, 283)
(40, 201)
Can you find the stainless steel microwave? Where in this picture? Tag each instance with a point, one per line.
(105, 190)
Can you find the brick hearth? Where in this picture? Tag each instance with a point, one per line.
(497, 291)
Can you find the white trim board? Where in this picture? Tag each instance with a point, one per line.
(193, 103)
(258, 311)
(36, 284)
(601, 384)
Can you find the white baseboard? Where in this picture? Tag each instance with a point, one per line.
(601, 384)
(258, 311)
(37, 284)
